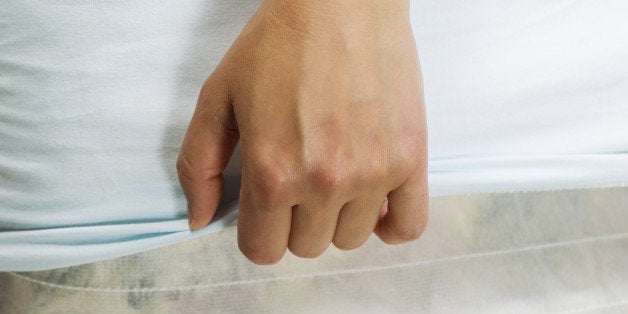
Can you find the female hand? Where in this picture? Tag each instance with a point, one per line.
(326, 99)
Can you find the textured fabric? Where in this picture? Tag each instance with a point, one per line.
(95, 97)
(540, 252)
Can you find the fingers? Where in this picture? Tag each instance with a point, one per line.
(263, 225)
(274, 217)
(207, 147)
(407, 209)
(312, 229)
(357, 221)
(268, 223)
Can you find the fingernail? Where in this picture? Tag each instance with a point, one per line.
(384, 208)
(191, 220)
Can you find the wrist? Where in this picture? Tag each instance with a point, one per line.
(308, 15)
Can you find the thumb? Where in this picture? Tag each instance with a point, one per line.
(207, 147)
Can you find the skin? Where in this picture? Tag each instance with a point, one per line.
(326, 99)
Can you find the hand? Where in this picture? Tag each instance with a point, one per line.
(326, 98)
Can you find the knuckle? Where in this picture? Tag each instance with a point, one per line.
(407, 162)
(408, 157)
(273, 180)
(375, 171)
(330, 176)
(378, 170)
(190, 171)
(183, 168)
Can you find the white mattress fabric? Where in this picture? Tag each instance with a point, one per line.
(95, 98)
(506, 253)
